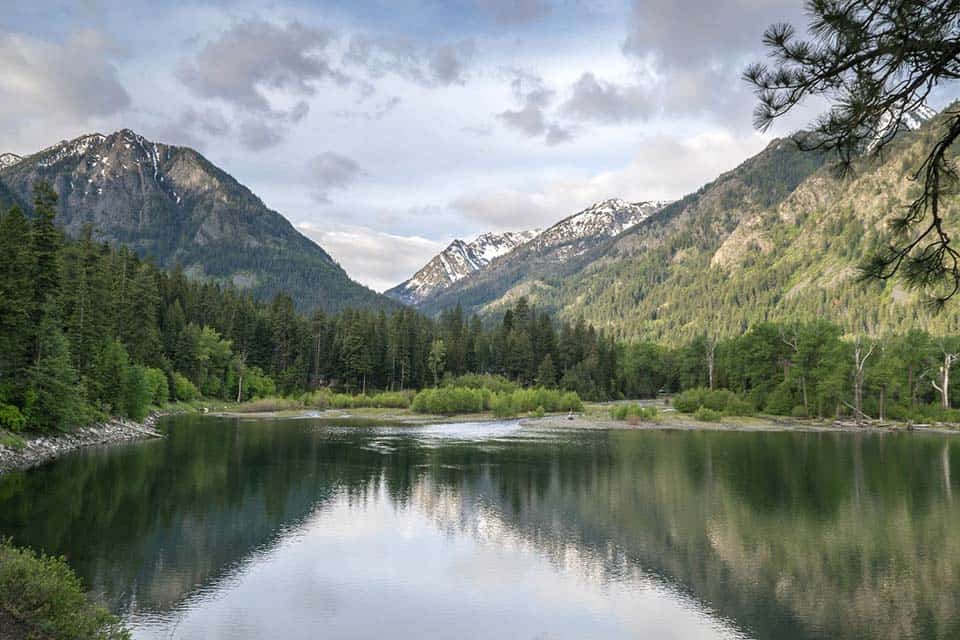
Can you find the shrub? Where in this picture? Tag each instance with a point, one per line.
(633, 411)
(722, 401)
(703, 414)
(450, 400)
(539, 412)
(799, 411)
(486, 381)
(11, 418)
(183, 389)
(47, 596)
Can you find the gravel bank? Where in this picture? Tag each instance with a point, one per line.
(41, 448)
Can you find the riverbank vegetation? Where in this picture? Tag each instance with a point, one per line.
(451, 400)
(88, 330)
(41, 597)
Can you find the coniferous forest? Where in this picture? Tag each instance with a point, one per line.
(88, 331)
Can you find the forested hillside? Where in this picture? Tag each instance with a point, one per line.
(779, 238)
(89, 330)
(171, 204)
(748, 248)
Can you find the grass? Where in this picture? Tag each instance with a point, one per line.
(44, 595)
(11, 440)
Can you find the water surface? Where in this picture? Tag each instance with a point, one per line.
(343, 529)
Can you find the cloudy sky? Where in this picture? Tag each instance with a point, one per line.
(383, 129)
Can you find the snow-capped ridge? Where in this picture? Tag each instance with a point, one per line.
(9, 159)
(910, 120)
(457, 261)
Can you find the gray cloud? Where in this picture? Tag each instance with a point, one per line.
(253, 56)
(379, 112)
(510, 12)
(208, 121)
(606, 102)
(443, 65)
(531, 119)
(260, 134)
(329, 170)
(71, 81)
(686, 34)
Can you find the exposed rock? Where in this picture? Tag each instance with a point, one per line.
(43, 448)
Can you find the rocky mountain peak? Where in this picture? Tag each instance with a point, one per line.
(8, 160)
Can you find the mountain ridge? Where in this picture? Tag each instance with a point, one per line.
(172, 204)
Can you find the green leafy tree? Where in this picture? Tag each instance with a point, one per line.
(437, 360)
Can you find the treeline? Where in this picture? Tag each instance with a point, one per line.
(807, 369)
(88, 330)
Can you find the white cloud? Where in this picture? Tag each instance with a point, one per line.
(665, 168)
(48, 82)
(377, 259)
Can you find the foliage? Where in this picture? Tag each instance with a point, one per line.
(183, 389)
(633, 412)
(723, 401)
(453, 400)
(43, 593)
(857, 59)
(703, 414)
(11, 418)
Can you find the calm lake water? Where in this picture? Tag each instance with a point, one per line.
(337, 529)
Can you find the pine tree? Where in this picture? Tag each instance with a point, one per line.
(877, 61)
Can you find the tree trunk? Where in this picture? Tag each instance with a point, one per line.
(883, 394)
(239, 387)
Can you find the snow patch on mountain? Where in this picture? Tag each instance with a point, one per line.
(603, 219)
(9, 159)
(910, 120)
(457, 261)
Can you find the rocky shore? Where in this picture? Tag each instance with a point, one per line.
(38, 449)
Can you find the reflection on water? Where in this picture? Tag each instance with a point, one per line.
(306, 528)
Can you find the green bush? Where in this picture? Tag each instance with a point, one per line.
(539, 412)
(633, 412)
(183, 389)
(486, 381)
(799, 411)
(722, 401)
(703, 414)
(45, 595)
(11, 418)
(451, 400)
(326, 399)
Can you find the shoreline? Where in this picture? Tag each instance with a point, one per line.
(42, 448)
(595, 416)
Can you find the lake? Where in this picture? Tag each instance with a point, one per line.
(310, 528)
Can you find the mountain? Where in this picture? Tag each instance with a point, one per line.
(549, 255)
(173, 205)
(779, 237)
(9, 159)
(456, 262)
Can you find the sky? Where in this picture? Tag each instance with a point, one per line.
(384, 129)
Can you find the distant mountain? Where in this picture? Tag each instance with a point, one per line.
(173, 205)
(548, 254)
(778, 238)
(456, 262)
(911, 121)
(9, 159)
